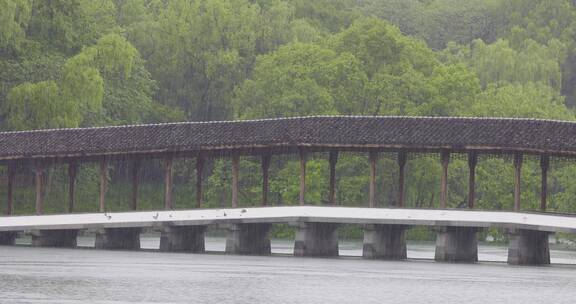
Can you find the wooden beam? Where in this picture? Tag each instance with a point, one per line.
(136, 163)
(235, 177)
(445, 158)
(72, 172)
(10, 194)
(517, 180)
(302, 176)
(199, 173)
(287, 148)
(333, 159)
(39, 182)
(401, 175)
(103, 184)
(168, 177)
(266, 158)
(472, 162)
(544, 165)
(373, 157)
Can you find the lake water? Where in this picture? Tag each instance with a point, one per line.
(46, 275)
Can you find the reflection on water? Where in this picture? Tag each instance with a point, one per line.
(43, 275)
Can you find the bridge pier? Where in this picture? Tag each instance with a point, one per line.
(316, 239)
(182, 239)
(456, 245)
(248, 239)
(528, 247)
(7, 237)
(385, 242)
(62, 238)
(118, 238)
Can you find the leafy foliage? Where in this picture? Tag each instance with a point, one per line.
(14, 18)
(38, 106)
(499, 63)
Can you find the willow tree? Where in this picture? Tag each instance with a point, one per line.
(38, 106)
(77, 98)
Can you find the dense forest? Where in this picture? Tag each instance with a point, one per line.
(81, 63)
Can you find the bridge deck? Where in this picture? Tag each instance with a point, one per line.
(343, 215)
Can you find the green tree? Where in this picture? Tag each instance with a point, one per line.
(301, 79)
(548, 22)
(106, 67)
(198, 51)
(381, 46)
(500, 63)
(39, 106)
(369, 69)
(441, 21)
(328, 15)
(14, 18)
(68, 25)
(531, 100)
(15, 71)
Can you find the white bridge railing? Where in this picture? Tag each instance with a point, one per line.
(341, 215)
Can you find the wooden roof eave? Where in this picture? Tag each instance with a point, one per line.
(282, 148)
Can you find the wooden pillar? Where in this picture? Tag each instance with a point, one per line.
(10, 194)
(235, 172)
(544, 164)
(72, 172)
(103, 184)
(472, 162)
(445, 158)
(333, 159)
(401, 176)
(168, 169)
(135, 183)
(517, 180)
(372, 194)
(266, 158)
(199, 173)
(302, 176)
(39, 182)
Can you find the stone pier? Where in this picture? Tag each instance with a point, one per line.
(118, 238)
(316, 239)
(385, 242)
(182, 239)
(456, 245)
(248, 239)
(54, 238)
(528, 247)
(7, 237)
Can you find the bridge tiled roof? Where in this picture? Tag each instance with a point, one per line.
(425, 133)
